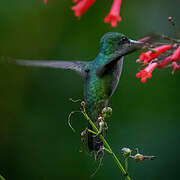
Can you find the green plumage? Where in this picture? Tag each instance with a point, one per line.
(97, 92)
(101, 76)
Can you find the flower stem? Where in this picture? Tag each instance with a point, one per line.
(124, 172)
(126, 165)
(2, 178)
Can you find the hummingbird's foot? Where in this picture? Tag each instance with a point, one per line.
(106, 113)
(101, 126)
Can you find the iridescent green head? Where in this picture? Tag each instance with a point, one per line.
(115, 43)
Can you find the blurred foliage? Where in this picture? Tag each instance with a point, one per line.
(36, 142)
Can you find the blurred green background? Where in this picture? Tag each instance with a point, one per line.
(35, 140)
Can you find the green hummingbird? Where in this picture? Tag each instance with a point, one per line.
(101, 76)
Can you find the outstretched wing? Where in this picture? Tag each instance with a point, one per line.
(78, 66)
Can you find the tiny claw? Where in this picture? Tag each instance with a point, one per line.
(101, 126)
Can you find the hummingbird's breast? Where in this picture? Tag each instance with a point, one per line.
(98, 90)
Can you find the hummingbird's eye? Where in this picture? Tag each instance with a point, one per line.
(124, 39)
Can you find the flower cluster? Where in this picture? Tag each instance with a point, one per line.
(82, 6)
(159, 57)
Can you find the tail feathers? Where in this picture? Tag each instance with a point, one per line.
(94, 142)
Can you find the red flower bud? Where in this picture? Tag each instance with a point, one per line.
(113, 17)
(82, 7)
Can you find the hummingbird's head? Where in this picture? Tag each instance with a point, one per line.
(115, 43)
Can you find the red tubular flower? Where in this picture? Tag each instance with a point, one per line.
(76, 1)
(82, 6)
(176, 54)
(45, 1)
(113, 17)
(143, 75)
(148, 56)
(165, 62)
(146, 73)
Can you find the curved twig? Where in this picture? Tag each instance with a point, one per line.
(69, 119)
(74, 100)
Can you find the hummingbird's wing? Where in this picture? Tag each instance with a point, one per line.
(110, 66)
(78, 66)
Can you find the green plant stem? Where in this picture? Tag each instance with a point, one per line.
(126, 165)
(92, 132)
(124, 172)
(2, 178)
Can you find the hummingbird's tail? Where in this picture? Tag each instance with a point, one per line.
(94, 143)
(94, 111)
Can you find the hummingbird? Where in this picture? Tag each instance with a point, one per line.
(101, 76)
